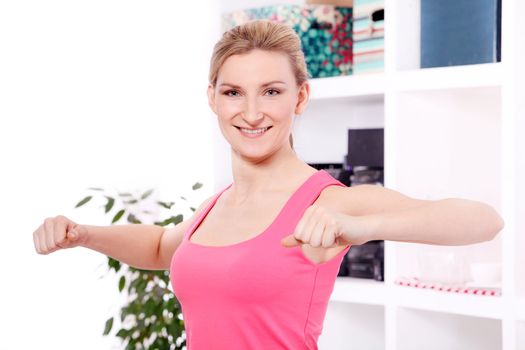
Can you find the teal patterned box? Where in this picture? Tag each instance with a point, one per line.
(325, 32)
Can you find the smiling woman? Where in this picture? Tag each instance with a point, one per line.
(255, 266)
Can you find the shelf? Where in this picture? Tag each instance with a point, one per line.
(347, 86)
(359, 290)
(361, 323)
(374, 85)
(520, 335)
(520, 309)
(475, 76)
(363, 291)
(453, 303)
(421, 329)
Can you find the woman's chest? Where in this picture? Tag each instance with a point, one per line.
(225, 226)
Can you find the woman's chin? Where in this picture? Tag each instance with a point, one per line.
(251, 153)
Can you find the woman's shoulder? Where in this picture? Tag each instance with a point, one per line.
(345, 199)
(331, 197)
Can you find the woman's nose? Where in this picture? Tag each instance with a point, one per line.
(252, 113)
(253, 118)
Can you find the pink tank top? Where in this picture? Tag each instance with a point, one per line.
(255, 294)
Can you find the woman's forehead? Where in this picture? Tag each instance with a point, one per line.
(259, 68)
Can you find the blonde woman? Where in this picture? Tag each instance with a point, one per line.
(255, 265)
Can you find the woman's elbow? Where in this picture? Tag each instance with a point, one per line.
(496, 224)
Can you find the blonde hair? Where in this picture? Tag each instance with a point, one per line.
(260, 34)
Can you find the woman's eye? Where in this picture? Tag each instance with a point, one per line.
(227, 93)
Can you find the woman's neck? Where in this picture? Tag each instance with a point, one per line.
(278, 172)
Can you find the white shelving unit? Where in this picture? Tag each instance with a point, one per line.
(449, 132)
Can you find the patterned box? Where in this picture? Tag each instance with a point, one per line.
(344, 3)
(325, 32)
(368, 32)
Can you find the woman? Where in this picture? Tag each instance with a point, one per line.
(254, 267)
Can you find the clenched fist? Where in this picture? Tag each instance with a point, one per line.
(323, 227)
(58, 233)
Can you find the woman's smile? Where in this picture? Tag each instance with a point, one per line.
(253, 133)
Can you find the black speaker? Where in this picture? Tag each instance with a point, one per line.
(365, 148)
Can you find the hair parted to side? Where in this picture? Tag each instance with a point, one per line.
(260, 34)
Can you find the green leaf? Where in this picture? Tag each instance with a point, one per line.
(170, 304)
(109, 204)
(173, 327)
(141, 286)
(157, 326)
(121, 283)
(107, 328)
(166, 205)
(83, 201)
(131, 345)
(113, 263)
(132, 201)
(146, 194)
(193, 208)
(133, 219)
(149, 307)
(196, 186)
(118, 216)
(125, 194)
(178, 219)
(96, 189)
(124, 311)
(123, 333)
(173, 219)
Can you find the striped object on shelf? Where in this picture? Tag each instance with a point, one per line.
(417, 283)
(364, 29)
(368, 32)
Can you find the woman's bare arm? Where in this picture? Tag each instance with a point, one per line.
(142, 246)
(394, 216)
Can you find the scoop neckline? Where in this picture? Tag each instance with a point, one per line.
(259, 235)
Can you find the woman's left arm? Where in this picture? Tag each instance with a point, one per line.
(390, 215)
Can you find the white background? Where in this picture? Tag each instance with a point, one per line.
(92, 93)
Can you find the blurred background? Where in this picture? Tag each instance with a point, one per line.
(92, 94)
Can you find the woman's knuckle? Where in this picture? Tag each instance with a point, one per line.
(48, 221)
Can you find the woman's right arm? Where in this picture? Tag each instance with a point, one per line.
(142, 246)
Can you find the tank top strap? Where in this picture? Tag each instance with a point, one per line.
(204, 212)
(305, 197)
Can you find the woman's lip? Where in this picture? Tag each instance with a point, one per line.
(238, 127)
(253, 135)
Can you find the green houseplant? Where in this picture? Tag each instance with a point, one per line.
(152, 317)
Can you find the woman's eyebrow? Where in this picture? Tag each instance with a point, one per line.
(265, 84)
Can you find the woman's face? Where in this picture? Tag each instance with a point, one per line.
(257, 91)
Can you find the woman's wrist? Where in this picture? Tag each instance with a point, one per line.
(361, 229)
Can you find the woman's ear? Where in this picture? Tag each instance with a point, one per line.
(302, 100)
(211, 98)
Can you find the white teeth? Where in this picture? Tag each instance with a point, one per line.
(256, 131)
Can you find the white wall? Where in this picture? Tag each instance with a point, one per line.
(93, 93)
